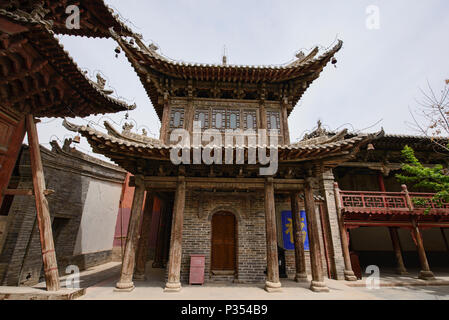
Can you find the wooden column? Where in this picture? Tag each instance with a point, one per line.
(300, 258)
(10, 157)
(272, 284)
(174, 261)
(144, 241)
(286, 132)
(425, 272)
(42, 210)
(126, 277)
(349, 273)
(263, 116)
(397, 251)
(159, 252)
(165, 121)
(317, 284)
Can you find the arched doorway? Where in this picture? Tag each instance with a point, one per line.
(224, 240)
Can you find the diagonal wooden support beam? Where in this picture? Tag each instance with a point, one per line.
(42, 210)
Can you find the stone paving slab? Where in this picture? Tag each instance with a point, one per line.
(30, 293)
(88, 278)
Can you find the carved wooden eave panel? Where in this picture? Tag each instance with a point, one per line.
(135, 157)
(95, 16)
(38, 76)
(290, 81)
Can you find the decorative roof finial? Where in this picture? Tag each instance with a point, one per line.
(225, 58)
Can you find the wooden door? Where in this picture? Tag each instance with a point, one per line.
(223, 242)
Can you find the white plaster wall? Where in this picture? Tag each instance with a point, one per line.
(96, 232)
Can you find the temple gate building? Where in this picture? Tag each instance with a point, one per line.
(228, 212)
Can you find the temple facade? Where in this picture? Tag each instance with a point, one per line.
(226, 172)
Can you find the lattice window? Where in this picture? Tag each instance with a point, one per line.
(274, 120)
(177, 118)
(250, 119)
(233, 119)
(202, 115)
(219, 119)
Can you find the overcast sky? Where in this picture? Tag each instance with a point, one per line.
(378, 76)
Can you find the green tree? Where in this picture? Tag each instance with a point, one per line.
(416, 175)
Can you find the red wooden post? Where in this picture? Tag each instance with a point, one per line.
(144, 241)
(407, 197)
(42, 210)
(380, 179)
(425, 272)
(349, 273)
(397, 251)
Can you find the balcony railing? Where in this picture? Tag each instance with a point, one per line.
(389, 202)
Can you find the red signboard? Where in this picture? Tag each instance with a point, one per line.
(197, 265)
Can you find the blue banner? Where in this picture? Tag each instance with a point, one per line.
(287, 230)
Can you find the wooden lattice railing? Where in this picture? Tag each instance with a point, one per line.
(389, 202)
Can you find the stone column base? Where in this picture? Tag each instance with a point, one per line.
(139, 277)
(172, 287)
(273, 287)
(301, 277)
(349, 275)
(124, 287)
(426, 275)
(316, 286)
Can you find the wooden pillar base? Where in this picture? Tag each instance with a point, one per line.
(139, 277)
(426, 275)
(272, 287)
(350, 276)
(316, 286)
(301, 277)
(172, 287)
(124, 287)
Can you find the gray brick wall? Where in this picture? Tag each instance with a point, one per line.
(69, 176)
(251, 245)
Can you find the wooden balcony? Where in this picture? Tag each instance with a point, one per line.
(390, 203)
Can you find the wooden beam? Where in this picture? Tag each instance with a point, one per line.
(42, 209)
(25, 192)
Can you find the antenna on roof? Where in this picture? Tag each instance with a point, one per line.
(225, 58)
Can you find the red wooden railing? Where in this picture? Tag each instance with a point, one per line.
(390, 202)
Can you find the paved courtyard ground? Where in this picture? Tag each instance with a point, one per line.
(98, 283)
(152, 289)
